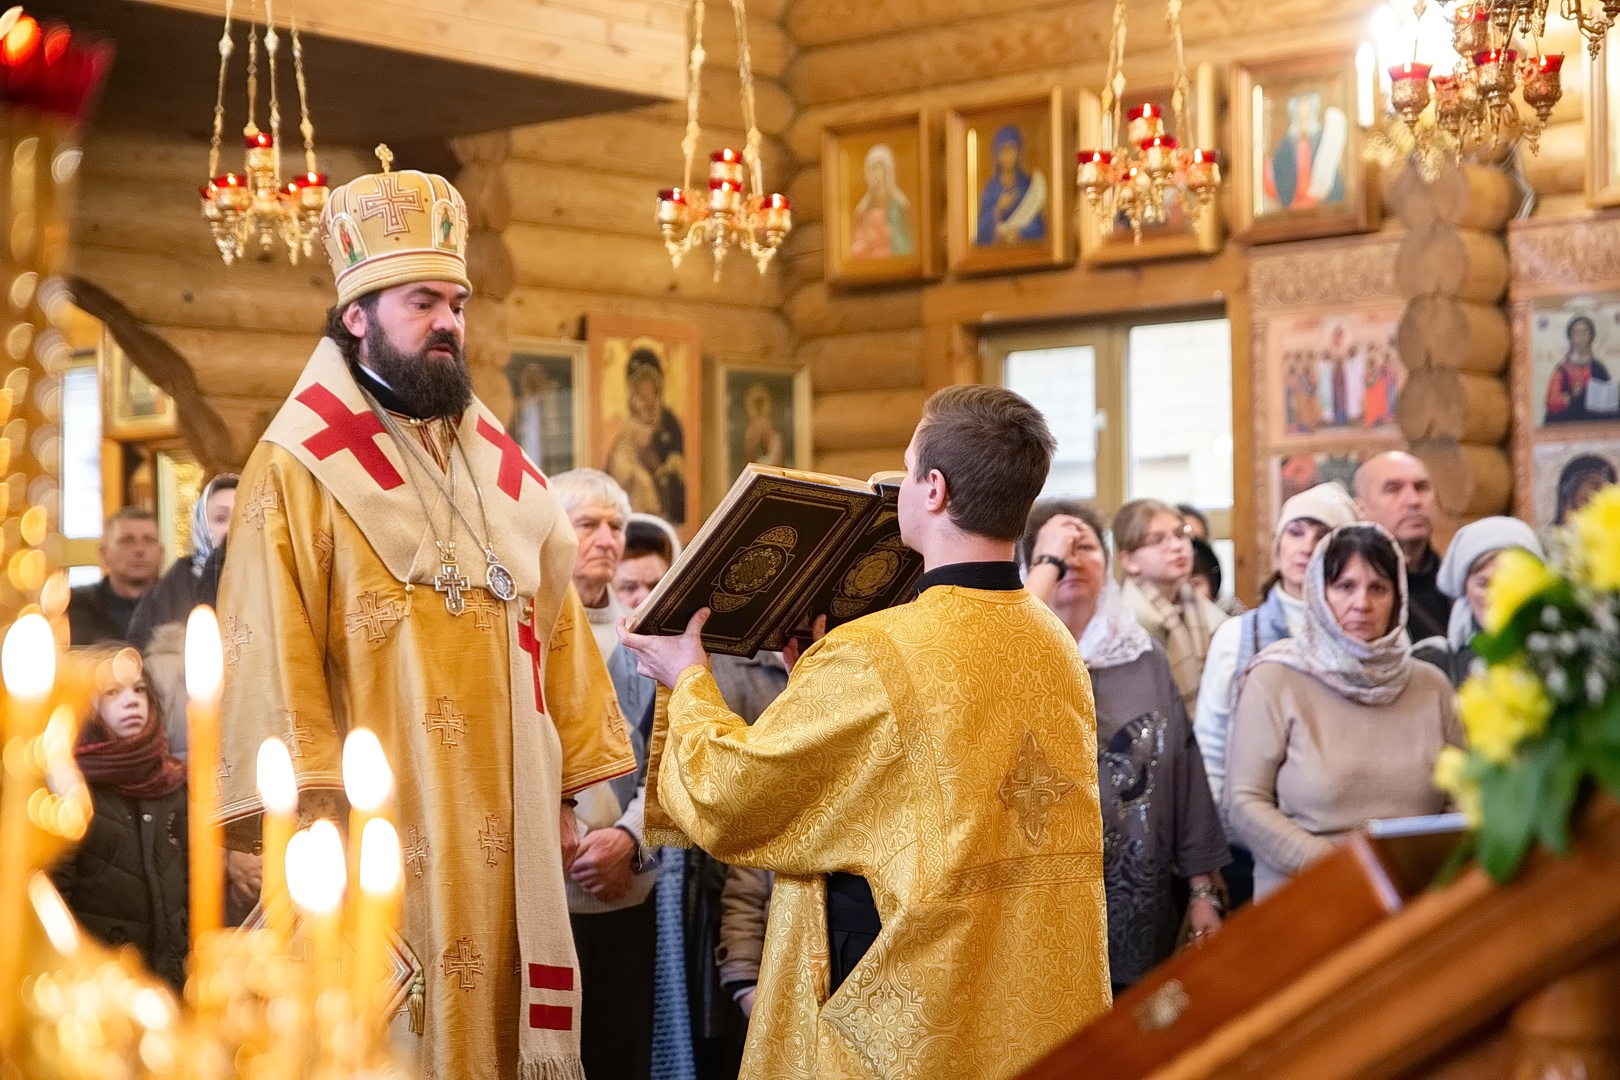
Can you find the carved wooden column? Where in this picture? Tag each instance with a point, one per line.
(482, 182)
(1454, 342)
(1571, 1029)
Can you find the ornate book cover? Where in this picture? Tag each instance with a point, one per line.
(781, 541)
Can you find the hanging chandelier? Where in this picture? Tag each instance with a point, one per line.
(1135, 177)
(254, 206)
(1471, 112)
(737, 213)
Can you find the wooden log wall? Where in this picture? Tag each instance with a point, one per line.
(1454, 341)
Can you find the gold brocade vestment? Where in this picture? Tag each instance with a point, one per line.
(945, 750)
(330, 619)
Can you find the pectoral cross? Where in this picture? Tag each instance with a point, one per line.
(450, 580)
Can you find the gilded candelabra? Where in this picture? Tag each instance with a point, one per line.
(255, 205)
(1134, 178)
(736, 213)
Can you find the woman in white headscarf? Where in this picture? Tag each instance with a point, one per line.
(1337, 724)
(1465, 576)
(1159, 822)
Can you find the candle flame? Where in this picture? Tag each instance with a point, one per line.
(53, 915)
(367, 779)
(28, 658)
(379, 858)
(205, 661)
(278, 787)
(316, 872)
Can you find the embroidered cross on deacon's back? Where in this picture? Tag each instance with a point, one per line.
(464, 963)
(493, 839)
(416, 850)
(265, 499)
(1032, 787)
(448, 723)
(373, 616)
(355, 432)
(515, 464)
(390, 201)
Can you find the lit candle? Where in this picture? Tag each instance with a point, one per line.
(778, 213)
(315, 880)
(205, 663)
(724, 196)
(672, 206)
(1144, 122)
(368, 782)
(28, 666)
(1203, 168)
(278, 790)
(1159, 151)
(376, 912)
(1094, 166)
(258, 140)
(1409, 70)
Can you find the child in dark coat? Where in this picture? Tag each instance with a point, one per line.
(127, 881)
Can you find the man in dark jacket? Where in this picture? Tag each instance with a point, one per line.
(132, 556)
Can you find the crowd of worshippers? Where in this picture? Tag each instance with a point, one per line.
(1220, 779)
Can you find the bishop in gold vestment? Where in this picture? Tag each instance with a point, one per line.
(339, 608)
(946, 751)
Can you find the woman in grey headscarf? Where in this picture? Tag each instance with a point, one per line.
(1159, 822)
(1337, 724)
(1465, 576)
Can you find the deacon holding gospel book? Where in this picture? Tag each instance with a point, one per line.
(925, 789)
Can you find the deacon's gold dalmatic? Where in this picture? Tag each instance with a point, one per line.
(945, 750)
(330, 619)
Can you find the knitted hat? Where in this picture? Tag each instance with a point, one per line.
(392, 228)
(1328, 503)
(1476, 540)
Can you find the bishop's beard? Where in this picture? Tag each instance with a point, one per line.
(429, 385)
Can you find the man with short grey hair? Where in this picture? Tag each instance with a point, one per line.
(610, 884)
(1394, 490)
(132, 556)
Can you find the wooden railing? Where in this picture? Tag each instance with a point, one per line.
(1468, 981)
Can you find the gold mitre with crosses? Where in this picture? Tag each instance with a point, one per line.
(392, 228)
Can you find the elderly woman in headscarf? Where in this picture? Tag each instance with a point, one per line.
(1159, 822)
(1337, 724)
(1465, 576)
(1305, 519)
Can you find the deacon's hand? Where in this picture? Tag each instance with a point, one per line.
(602, 866)
(568, 830)
(664, 658)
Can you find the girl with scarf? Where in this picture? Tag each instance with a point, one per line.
(1155, 562)
(1337, 724)
(127, 881)
(1465, 576)
(1159, 823)
(1305, 519)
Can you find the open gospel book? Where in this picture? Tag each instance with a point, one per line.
(782, 547)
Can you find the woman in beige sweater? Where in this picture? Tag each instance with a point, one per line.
(1338, 724)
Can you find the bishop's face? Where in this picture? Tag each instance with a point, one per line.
(412, 337)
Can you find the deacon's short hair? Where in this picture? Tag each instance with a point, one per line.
(589, 487)
(994, 450)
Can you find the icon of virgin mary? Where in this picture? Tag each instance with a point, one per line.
(1012, 206)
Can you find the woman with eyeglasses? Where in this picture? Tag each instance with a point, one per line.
(1159, 822)
(1337, 724)
(1155, 555)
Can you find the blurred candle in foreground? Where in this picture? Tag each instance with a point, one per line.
(278, 791)
(377, 911)
(368, 783)
(205, 668)
(28, 666)
(316, 880)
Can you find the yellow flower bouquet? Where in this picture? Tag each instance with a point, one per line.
(1542, 708)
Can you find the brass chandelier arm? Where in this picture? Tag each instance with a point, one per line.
(694, 91)
(305, 128)
(1113, 94)
(1181, 87)
(272, 46)
(745, 79)
(226, 47)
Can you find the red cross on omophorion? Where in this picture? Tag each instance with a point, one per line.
(558, 980)
(390, 201)
(355, 432)
(529, 643)
(514, 462)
